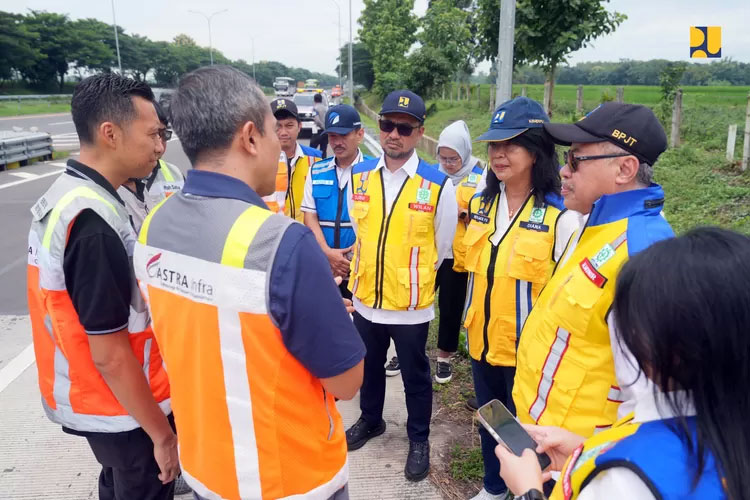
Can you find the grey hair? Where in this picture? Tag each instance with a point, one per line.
(210, 105)
(645, 175)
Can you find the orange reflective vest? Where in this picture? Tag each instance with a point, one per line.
(276, 202)
(253, 421)
(393, 267)
(506, 279)
(74, 394)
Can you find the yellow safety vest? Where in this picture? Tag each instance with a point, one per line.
(565, 373)
(395, 253)
(296, 187)
(506, 279)
(464, 192)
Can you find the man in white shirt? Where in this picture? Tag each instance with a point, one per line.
(324, 203)
(404, 212)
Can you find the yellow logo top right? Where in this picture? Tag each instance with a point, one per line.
(705, 41)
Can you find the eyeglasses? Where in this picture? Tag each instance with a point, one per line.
(448, 161)
(573, 160)
(165, 134)
(404, 129)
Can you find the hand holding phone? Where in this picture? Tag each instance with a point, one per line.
(502, 425)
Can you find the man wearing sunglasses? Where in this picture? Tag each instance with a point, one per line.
(572, 370)
(404, 213)
(141, 195)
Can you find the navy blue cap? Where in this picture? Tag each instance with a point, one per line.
(513, 118)
(342, 119)
(283, 108)
(404, 101)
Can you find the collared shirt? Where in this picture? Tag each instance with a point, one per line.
(344, 174)
(292, 162)
(304, 300)
(446, 218)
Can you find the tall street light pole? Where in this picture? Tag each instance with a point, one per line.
(338, 55)
(351, 71)
(505, 51)
(208, 20)
(253, 41)
(117, 41)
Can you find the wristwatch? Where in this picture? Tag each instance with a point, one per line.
(532, 495)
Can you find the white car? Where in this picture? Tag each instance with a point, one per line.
(306, 111)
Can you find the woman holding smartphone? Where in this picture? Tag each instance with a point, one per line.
(517, 230)
(683, 308)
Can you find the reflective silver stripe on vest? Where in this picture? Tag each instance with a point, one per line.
(551, 364)
(326, 223)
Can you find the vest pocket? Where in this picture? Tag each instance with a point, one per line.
(360, 209)
(322, 190)
(530, 257)
(419, 228)
(573, 304)
(474, 240)
(411, 286)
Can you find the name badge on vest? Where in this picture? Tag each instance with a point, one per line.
(421, 207)
(482, 219)
(592, 273)
(360, 197)
(533, 226)
(324, 182)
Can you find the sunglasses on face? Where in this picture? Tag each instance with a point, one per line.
(573, 160)
(165, 134)
(404, 129)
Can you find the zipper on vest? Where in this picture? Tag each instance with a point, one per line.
(380, 262)
(337, 222)
(330, 418)
(487, 301)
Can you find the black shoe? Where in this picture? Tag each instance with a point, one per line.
(392, 368)
(444, 372)
(418, 461)
(472, 404)
(361, 432)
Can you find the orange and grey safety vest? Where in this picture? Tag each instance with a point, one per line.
(253, 421)
(276, 201)
(74, 394)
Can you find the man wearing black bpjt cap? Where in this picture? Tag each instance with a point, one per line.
(572, 370)
(299, 158)
(405, 214)
(327, 189)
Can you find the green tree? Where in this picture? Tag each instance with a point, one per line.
(18, 45)
(547, 32)
(361, 64)
(388, 30)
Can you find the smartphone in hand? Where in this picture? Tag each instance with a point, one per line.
(502, 425)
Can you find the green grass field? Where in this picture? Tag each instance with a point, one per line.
(33, 107)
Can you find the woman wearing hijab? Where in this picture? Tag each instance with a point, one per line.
(518, 228)
(464, 170)
(683, 309)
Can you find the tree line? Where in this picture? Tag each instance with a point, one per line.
(40, 48)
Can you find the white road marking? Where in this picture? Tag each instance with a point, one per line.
(59, 164)
(16, 367)
(60, 123)
(24, 175)
(22, 181)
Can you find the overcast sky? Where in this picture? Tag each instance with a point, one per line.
(303, 33)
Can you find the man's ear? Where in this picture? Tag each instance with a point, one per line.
(628, 170)
(249, 138)
(108, 133)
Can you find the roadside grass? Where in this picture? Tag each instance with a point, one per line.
(33, 107)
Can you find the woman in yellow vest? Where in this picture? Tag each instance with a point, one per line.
(517, 229)
(464, 170)
(682, 307)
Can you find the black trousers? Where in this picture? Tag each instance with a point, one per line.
(452, 286)
(343, 288)
(320, 141)
(410, 341)
(129, 470)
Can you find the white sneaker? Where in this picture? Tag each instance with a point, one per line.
(485, 495)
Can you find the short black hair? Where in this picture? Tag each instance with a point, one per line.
(105, 97)
(283, 114)
(317, 98)
(161, 113)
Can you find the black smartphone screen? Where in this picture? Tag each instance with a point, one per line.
(506, 430)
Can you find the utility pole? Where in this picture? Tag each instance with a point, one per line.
(117, 41)
(339, 49)
(253, 42)
(208, 20)
(505, 51)
(351, 71)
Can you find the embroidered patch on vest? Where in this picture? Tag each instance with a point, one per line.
(533, 226)
(421, 207)
(360, 197)
(601, 258)
(537, 214)
(423, 196)
(592, 274)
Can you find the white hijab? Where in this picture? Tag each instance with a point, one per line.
(456, 136)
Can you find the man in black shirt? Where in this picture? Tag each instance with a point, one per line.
(127, 419)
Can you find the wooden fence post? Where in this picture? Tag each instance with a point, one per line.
(579, 100)
(451, 92)
(620, 92)
(443, 91)
(492, 98)
(479, 96)
(674, 138)
(746, 145)
(523, 91)
(731, 140)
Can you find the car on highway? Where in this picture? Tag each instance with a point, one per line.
(336, 91)
(306, 111)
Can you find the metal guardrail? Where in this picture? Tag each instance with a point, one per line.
(23, 146)
(30, 97)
